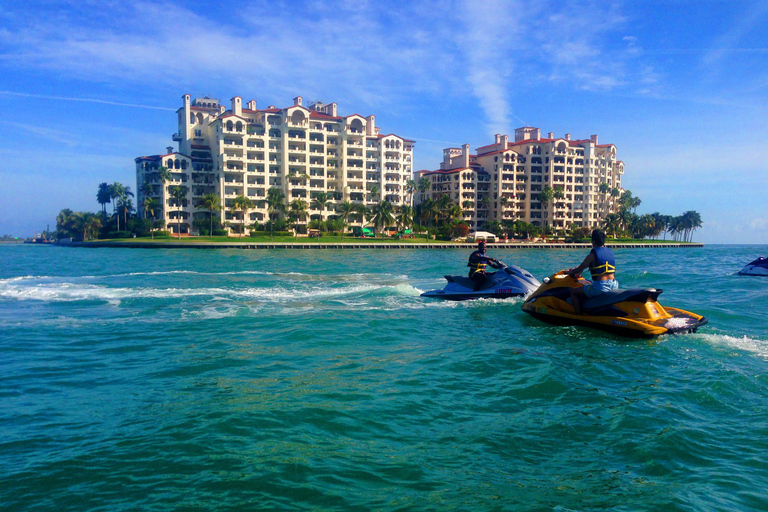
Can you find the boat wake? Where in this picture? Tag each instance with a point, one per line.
(745, 343)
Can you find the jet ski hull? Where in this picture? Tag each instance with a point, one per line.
(759, 267)
(510, 281)
(633, 313)
(466, 295)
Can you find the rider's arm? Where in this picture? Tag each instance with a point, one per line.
(584, 265)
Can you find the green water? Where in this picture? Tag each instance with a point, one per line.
(148, 380)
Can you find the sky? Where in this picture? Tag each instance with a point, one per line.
(679, 86)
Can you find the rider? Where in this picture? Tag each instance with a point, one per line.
(602, 266)
(477, 262)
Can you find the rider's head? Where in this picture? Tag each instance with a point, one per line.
(481, 246)
(598, 238)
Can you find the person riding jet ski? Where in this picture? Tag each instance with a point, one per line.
(602, 265)
(477, 263)
(509, 281)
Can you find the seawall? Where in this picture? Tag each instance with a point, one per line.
(371, 245)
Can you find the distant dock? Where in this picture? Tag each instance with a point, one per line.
(369, 245)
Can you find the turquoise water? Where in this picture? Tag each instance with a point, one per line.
(229, 380)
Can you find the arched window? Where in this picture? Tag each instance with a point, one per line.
(183, 164)
(229, 126)
(356, 126)
(199, 118)
(239, 126)
(170, 163)
(298, 117)
(191, 118)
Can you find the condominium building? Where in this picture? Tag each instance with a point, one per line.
(504, 180)
(301, 150)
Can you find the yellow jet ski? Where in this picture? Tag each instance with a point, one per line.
(634, 312)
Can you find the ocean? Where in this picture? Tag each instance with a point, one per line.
(239, 380)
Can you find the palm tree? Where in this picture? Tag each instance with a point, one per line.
(164, 175)
(104, 197)
(611, 223)
(149, 207)
(424, 184)
(410, 188)
(63, 220)
(91, 225)
(345, 211)
(444, 205)
(374, 191)
(320, 202)
(382, 215)
(116, 190)
(364, 212)
(146, 189)
(545, 197)
(275, 203)
(405, 216)
(242, 204)
(124, 208)
(691, 220)
(178, 193)
(210, 202)
(298, 210)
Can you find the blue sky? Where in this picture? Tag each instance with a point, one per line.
(681, 88)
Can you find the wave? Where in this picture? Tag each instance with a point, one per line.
(35, 289)
(752, 345)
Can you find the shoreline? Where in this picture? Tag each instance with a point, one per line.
(369, 245)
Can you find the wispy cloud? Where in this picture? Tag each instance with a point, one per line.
(369, 53)
(751, 18)
(490, 29)
(86, 100)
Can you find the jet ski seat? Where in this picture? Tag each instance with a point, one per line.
(468, 283)
(614, 296)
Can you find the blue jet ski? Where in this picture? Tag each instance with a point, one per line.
(759, 267)
(509, 281)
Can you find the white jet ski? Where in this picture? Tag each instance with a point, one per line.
(509, 281)
(759, 267)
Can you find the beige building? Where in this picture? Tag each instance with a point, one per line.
(301, 150)
(503, 181)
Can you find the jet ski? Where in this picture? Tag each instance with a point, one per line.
(759, 267)
(509, 281)
(634, 312)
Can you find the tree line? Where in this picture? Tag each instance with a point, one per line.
(440, 217)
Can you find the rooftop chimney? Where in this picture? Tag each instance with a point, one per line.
(465, 155)
(169, 150)
(252, 105)
(567, 136)
(594, 139)
(498, 137)
(551, 135)
(297, 101)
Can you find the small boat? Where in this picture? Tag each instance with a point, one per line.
(632, 312)
(509, 281)
(759, 267)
